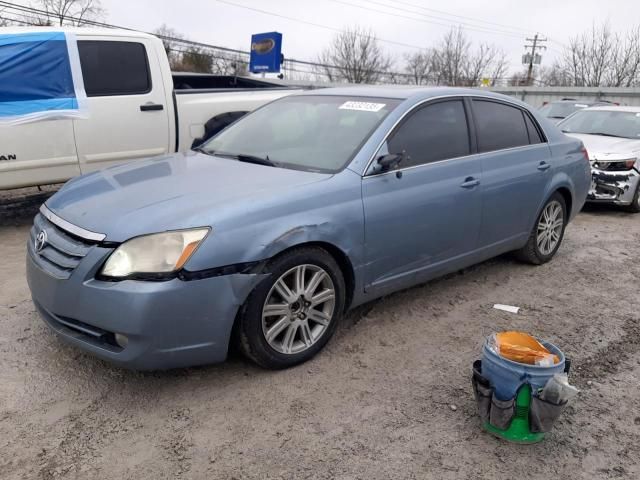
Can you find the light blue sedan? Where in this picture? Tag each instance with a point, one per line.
(307, 207)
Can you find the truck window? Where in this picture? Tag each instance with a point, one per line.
(114, 68)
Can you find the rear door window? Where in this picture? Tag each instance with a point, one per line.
(114, 68)
(499, 126)
(436, 132)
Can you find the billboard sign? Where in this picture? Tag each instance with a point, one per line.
(266, 49)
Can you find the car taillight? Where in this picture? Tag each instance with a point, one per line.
(586, 154)
(630, 163)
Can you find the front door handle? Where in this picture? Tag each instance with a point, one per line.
(543, 166)
(151, 107)
(470, 182)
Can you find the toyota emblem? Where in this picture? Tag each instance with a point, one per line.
(41, 241)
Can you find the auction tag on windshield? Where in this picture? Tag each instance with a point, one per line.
(363, 106)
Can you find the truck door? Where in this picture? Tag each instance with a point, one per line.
(129, 118)
(35, 77)
(37, 154)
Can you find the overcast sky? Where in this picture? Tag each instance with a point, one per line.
(502, 22)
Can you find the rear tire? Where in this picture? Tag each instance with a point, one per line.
(634, 207)
(547, 233)
(291, 315)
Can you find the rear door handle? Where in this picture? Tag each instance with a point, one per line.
(543, 166)
(470, 182)
(151, 107)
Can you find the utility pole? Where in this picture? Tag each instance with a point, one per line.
(537, 42)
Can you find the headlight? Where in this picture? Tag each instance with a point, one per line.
(153, 254)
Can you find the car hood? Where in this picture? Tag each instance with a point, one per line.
(172, 192)
(601, 147)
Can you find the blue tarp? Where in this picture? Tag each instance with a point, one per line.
(40, 77)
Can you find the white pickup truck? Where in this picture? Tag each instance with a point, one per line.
(137, 108)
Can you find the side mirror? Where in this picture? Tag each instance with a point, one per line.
(390, 161)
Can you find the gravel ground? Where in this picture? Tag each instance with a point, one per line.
(376, 404)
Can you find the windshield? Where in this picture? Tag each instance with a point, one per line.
(315, 132)
(604, 122)
(561, 110)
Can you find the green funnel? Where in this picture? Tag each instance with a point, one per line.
(518, 431)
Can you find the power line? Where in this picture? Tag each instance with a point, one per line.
(32, 10)
(466, 26)
(319, 25)
(316, 66)
(474, 19)
(15, 20)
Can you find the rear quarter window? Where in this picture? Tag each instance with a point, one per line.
(114, 68)
(534, 132)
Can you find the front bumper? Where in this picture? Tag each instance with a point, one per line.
(169, 324)
(617, 187)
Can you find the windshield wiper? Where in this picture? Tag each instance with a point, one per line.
(200, 149)
(256, 159)
(241, 157)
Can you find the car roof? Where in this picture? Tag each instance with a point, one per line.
(616, 108)
(406, 92)
(82, 31)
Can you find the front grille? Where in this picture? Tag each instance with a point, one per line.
(61, 253)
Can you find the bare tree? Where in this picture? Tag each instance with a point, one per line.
(186, 57)
(453, 52)
(422, 67)
(171, 41)
(460, 65)
(355, 56)
(625, 64)
(230, 64)
(553, 76)
(67, 12)
(195, 59)
(499, 67)
(600, 57)
(479, 65)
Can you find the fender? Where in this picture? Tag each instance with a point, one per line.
(311, 214)
(560, 180)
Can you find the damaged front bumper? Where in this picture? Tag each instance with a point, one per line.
(617, 187)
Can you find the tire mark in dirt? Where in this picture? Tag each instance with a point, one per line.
(609, 359)
(84, 433)
(178, 441)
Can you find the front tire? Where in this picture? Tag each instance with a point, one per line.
(291, 315)
(634, 207)
(547, 233)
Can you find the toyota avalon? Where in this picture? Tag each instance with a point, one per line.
(309, 206)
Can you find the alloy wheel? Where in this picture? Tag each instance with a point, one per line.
(298, 309)
(550, 227)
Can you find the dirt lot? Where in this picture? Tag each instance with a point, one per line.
(374, 405)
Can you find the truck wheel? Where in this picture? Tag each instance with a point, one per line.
(634, 206)
(290, 316)
(547, 233)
